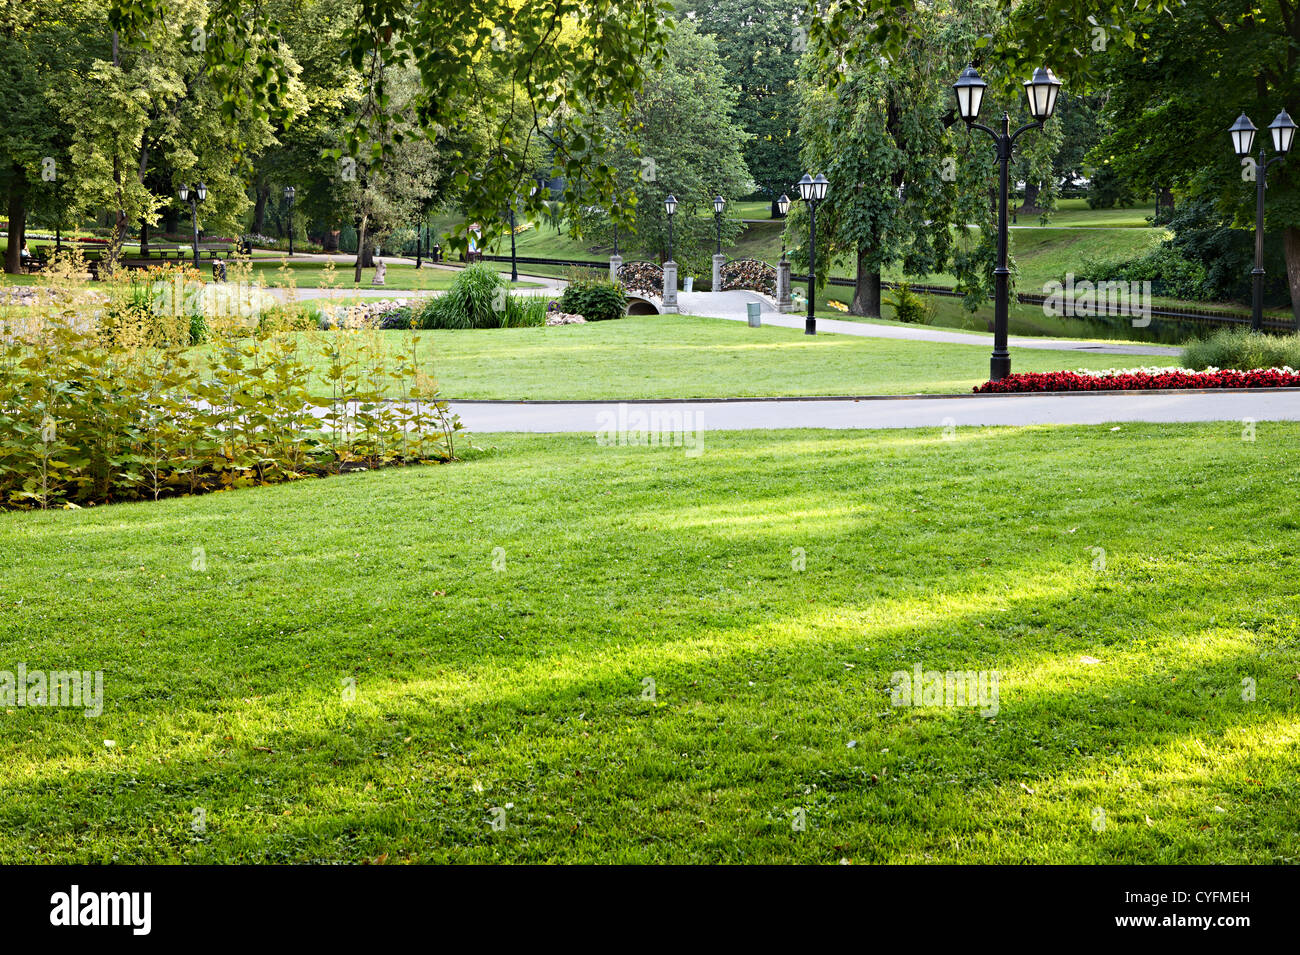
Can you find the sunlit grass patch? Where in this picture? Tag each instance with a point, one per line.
(640, 656)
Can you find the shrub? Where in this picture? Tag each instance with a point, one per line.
(348, 239)
(910, 307)
(86, 419)
(155, 307)
(1168, 271)
(1108, 190)
(1204, 235)
(596, 300)
(525, 311)
(1243, 350)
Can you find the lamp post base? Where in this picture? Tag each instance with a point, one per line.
(999, 367)
(810, 326)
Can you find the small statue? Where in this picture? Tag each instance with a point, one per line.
(380, 271)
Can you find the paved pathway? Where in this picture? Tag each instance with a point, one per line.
(871, 413)
(732, 305)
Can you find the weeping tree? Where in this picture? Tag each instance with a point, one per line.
(883, 134)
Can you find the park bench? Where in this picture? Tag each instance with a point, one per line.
(165, 250)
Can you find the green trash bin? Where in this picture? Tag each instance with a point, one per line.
(754, 310)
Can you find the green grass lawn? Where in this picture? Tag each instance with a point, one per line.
(1075, 213)
(673, 356)
(525, 688)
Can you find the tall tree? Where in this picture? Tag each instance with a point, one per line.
(1174, 95)
(881, 136)
(151, 115)
(759, 45)
(681, 142)
(44, 48)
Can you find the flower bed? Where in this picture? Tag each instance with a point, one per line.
(1142, 379)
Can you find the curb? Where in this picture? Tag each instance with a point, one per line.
(909, 397)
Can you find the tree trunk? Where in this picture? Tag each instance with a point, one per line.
(144, 239)
(776, 213)
(259, 209)
(866, 289)
(361, 248)
(1030, 206)
(1292, 247)
(1165, 199)
(17, 225)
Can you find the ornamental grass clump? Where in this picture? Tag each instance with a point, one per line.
(478, 298)
(1243, 350)
(103, 400)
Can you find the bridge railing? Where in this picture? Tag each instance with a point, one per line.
(647, 277)
(750, 274)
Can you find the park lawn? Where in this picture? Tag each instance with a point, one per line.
(615, 647)
(672, 356)
(1075, 213)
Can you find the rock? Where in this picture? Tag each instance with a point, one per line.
(563, 318)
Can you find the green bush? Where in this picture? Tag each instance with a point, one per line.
(1242, 350)
(157, 307)
(1168, 271)
(910, 307)
(348, 240)
(1108, 190)
(596, 300)
(86, 418)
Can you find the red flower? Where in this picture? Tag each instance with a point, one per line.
(1174, 378)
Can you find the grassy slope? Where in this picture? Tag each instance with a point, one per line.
(687, 357)
(522, 688)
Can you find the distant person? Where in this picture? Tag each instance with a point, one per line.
(24, 256)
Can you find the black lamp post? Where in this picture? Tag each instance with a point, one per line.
(194, 198)
(514, 258)
(783, 207)
(289, 194)
(1243, 137)
(670, 207)
(719, 204)
(614, 218)
(1041, 91)
(812, 191)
